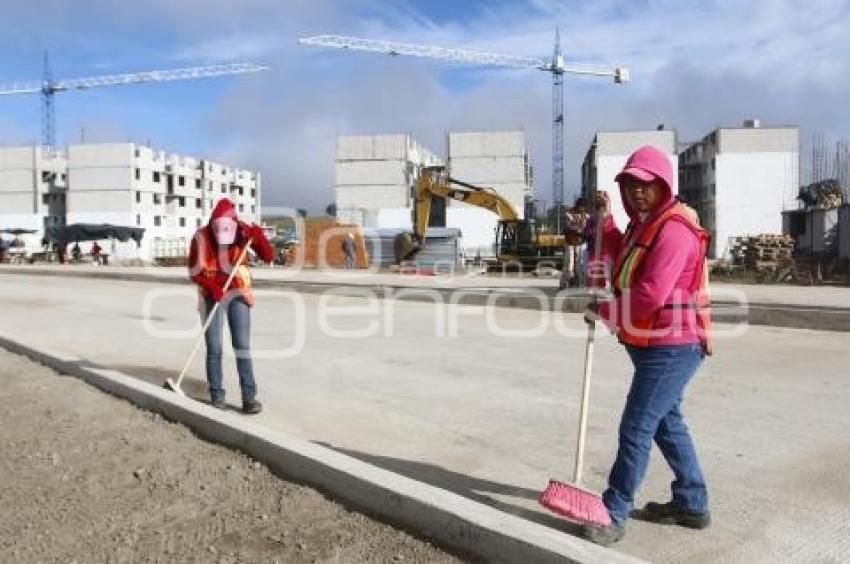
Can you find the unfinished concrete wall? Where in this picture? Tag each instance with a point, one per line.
(741, 179)
(492, 159)
(374, 173)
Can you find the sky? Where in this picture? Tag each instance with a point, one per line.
(695, 66)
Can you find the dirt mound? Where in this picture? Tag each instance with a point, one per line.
(90, 478)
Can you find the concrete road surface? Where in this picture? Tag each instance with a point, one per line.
(817, 296)
(456, 397)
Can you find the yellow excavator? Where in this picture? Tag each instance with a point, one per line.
(519, 245)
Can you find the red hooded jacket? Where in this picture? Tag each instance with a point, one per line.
(210, 264)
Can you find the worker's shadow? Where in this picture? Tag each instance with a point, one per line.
(477, 489)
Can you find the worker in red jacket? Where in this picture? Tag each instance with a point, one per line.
(216, 249)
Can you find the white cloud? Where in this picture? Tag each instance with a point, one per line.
(695, 65)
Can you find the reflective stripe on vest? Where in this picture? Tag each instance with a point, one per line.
(209, 266)
(627, 269)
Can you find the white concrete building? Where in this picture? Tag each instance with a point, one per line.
(741, 179)
(121, 184)
(374, 178)
(492, 159)
(607, 155)
(33, 181)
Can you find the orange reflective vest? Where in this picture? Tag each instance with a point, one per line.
(207, 265)
(627, 270)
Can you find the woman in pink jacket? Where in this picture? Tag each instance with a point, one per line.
(660, 313)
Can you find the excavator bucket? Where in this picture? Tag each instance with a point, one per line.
(405, 246)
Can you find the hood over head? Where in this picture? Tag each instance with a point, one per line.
(647, 164)
(224, 222)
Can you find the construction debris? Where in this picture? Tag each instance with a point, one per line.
(823, 194)
(762, 253)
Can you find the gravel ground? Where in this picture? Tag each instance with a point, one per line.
(94, 479)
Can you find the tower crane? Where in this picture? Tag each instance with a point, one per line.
(48, 87)
(555, 66)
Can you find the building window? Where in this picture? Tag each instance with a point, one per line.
(138, 174)
(181, 181)
(253, 192)
(210, 185)
(64, 177)
(198, 222)
(181, 201)
(253, 209)
(156, 177)
(157, 199)
(241, 208)
(157, 221)
(198, 183)
(223, 188)
(138, 197)
(138, 219)
(45, 199)
(182, 222)
(198, 203)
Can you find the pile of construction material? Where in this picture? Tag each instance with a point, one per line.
(762, 253)
(824, 194)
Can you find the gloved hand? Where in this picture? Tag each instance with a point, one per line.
(217, 293)
(213, 289)
(591, 314)
(249, 231)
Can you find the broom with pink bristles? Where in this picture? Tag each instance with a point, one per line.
(571, 500)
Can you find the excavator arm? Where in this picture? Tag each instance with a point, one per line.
(435, 183)
(516, 236)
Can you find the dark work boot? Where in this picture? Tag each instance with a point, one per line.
(671, 514)
(603, 535)
(218, 403)
(251, 407)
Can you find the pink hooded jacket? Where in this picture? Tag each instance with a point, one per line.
(668, 274)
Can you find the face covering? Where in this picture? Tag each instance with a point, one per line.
(225, 230)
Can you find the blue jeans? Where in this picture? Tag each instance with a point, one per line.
(239, 319)
(653, 412)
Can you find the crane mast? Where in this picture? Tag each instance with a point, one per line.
(555, 66)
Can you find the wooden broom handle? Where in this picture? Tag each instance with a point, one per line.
(588, 360)
(211, 314)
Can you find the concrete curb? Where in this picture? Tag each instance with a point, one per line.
(793, 316)
(465, 526)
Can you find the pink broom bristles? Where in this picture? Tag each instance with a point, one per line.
(574, 503)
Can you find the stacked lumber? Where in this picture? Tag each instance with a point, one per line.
(322, 243)
(764, 252)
